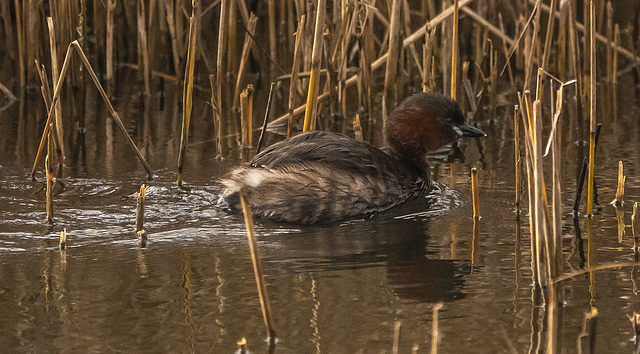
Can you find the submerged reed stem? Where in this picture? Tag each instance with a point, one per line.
(621, 182)
(257, 265)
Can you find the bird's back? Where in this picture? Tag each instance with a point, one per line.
(321, 176)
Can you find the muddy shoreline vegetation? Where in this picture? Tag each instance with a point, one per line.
(343, 65)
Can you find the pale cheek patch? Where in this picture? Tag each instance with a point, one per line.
(254, 177)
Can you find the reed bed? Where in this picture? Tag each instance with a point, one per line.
(328, 50)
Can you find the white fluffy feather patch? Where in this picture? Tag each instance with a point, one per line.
(248, 177)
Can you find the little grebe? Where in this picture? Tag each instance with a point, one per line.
(321, 176)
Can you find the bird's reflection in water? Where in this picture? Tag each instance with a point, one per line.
(383, 241)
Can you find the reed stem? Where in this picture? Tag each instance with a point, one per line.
(257, 265)
(314, 80)
(59, 131)
(621, 182)
(475, 193)
(187, 98)
(62, 244)
(592, 134)
(454, 52)
(516, 144)
(140, 201)
(266, 117)
(246, 49)
(435, 327)
(295, 68)
(142, 37)
(246, 116)
(357, 128)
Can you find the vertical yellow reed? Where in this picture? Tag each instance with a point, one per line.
(475, 193)
(314, 79)
(592, 134)
(454, 51)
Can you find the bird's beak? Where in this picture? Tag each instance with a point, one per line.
(468, 131)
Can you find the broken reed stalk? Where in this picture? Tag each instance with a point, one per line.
(592, 131)
(114, 114)
(454, 52)
(140, 201)
(435, 328)
(583, 174)
(266, 117)
(111, 5)
(59, 132)
(314, 80)
(428, 82)
(357, 128)
(187, 97)
(62, 244)
(246, 116)
(468, 87)
(516, 144)
(475, 193)
(142, 37)
(295, 68)
(621, 182)
(246, 49)
(390, 91)
(49, 191)
(556, 153)
(257, 265)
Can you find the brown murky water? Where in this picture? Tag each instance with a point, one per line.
(341, 288)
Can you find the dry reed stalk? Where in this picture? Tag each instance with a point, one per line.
(222, 38)
(620, 220)
(435, 328)
(475, 193)
(20, 31)
(62, 244)
(556, 153)
(257, 264)
(577, 71)
(314, 80)
(392, 59)
(271, 11)
(454, 52)
(8, 29)
(248, 39)
(49, 191)
(542, 237)
(111, 5)
(169, 10)
(233, 33)
(587, 338)
(379, 62)
(216, 116)
(242, 346)
(293, 83)
(549, 36)
(506, 52)
(266, 117)
(412, 47)
(634, 218)
(187, 97)
(609, 35)
(357, 128)
(527, 118)
(616, 44)
(140, 201)
(621, 182)
(516, 144)
(428, 83)
(246, 117)
(592, 111)
(563, 26)
(142, 37)
(55, 75)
